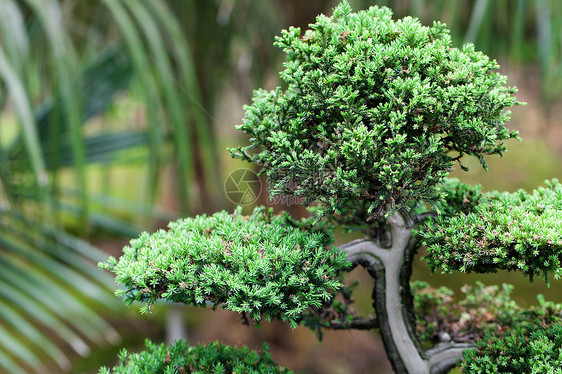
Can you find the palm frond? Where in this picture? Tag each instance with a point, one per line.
(22, 106)
(53, 292)
(65, 69)
(52, 296)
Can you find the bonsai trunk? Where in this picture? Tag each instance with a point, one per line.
(391, 269)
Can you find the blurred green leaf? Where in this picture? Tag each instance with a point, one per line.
(54, 84)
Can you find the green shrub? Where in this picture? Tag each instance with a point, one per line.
(215, 358)
(534, 348)
(373, 115)
(260, 265)
(483, 310)
(512, 231)
(375, 112)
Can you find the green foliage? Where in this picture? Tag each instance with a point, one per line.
(62, 65)
(337, 313)
(375, 111)
(482, 311)
(531, 348)
(431, 306)
(373, 115)
(215, 358)
(457, 197)
(262, 265)
(513, 231)
(525, 32)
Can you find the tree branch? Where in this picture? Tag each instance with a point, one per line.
(419, 218)
(363, 251)
(408, 220)
(443, 357)
(392, 305)
(358, 323)
(385, 266)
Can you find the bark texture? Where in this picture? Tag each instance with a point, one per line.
(390, 264)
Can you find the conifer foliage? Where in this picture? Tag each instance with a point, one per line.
(181, 358)
(373, 115)
(259, 265)
(382, 108)
(511, 231)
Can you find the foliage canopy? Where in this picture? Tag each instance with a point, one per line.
(181, 358)
(373, 116)
(496, 230)
(260, 265)
(375, 112)
(484, 312)
(531, 348)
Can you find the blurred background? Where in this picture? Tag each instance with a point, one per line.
(114, 119)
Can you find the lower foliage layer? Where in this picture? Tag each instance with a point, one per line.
(482, 310)
(508, 338)
(215, 358)
(260, 265)
(531, 348)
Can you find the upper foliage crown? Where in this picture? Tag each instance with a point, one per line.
(374, 111)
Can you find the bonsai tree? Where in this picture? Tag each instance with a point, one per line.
(373, 115)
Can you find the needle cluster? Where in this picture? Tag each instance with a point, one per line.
(374, 111)
(260, 265)
(518, 231)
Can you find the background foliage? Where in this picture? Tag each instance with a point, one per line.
(99, 100)
(62, 64)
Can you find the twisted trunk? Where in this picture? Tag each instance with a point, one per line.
(391, 269)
